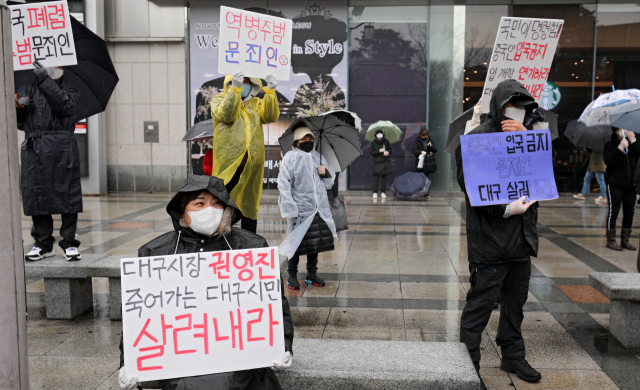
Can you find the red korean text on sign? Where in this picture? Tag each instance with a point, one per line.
(235, 21)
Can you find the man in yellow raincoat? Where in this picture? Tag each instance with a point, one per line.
(238, 141)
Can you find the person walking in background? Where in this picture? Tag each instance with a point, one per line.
(303, 181)
(425, 147)
(597, 167)
(621, 156)
(50, 161)
(381, 151)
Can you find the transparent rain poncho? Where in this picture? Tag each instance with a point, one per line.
(303, 193)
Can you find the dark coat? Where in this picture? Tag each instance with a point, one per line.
(50, 158)
(621, 168)
(185, 240)
(318, 238)
(490, 237)
(381, 163)
(422, 145)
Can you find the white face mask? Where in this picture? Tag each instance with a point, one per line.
(55, 72)
(379, 136)
(516, 113)
(206, 221)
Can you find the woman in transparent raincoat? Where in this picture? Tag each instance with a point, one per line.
(303, 183)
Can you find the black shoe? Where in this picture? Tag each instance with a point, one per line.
(521, 368)
(315, 280)
(482, 385)
(293, 283)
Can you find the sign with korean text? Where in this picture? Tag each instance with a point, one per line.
(502, 167)
(523, 51)
(255, 43)
(42, 32)
(201, 313)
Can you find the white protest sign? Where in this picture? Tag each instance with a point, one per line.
(523, 51)
(255, 43)
(42, 31)
(201, 313)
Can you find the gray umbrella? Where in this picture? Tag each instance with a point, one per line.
(627, 120)
(200, 130)
(589, 137)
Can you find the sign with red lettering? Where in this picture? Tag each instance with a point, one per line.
(42, 32)
(201, 313)
(255, 43)
(523, 51)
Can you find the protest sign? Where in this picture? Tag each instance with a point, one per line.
(255, 43)
(201, 313)
(502, 167)
(42, 32)
(523, 51)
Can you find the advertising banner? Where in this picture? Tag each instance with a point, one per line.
(502, 167)
(201, 313)
(523, 51)
(42, 32)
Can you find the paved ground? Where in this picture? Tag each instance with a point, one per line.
(399, 273)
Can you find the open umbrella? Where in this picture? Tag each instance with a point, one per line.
(391, 132)
(411, 186)
(199, 131)
(336, 141)
(94, 76)
(350, 118)
(589, 137)
(612, 109)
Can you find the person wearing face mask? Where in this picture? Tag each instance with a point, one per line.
(303, 182)
(203, 213)
(381, 151)
(620, 155)
(237, 155)
(501, 240)
(50, 161)
(424, 146)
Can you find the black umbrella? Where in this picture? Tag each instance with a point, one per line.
(588, 137)
(200, 130)
(94, 76)
(411, 185)
(336, 141)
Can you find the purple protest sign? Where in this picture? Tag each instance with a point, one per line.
(502, 167)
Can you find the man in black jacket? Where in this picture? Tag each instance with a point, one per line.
(621, 156)
(501, 240)
(50, 161)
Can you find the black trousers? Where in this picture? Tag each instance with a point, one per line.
(625, 196)
(510, 283)
(42, 231)
(383, 184)
(312, 264)
(246, 223)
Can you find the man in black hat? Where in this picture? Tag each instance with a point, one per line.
(501, 240)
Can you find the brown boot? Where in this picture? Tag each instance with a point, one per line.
(611, 240)
(624, 240)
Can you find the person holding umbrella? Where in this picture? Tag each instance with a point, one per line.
(303, 182)
(597, 167)
(425, 147)
(381, 151)
(50, 160)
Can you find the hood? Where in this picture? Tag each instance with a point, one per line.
(256, 86)
(232, 213)
(503, 93)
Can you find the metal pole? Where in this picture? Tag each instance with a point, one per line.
(14, 368)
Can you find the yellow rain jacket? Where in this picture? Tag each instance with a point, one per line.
(237, 125)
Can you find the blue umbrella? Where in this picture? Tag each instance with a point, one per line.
(411, 186)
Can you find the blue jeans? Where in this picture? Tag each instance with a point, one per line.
(587, 183)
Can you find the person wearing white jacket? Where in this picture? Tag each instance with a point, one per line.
(303, 183)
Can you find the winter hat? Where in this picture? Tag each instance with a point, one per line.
(300, 133)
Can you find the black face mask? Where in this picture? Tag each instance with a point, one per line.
(306, 146)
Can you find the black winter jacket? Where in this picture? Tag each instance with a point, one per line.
(491, 238)
(422, 145)
(381, 163)
(318, 238)
(185, 240)
(621, 168)
(50, 160)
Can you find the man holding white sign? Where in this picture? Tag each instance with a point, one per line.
(211, 313)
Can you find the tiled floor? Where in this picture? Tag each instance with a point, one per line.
(399, 273)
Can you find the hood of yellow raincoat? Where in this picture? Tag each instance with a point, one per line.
(256, 86)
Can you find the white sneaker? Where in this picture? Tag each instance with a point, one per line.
(580, 196)
(37, 253)
(601, 199)
(72, 254)
(375, 196)
(383, 195)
